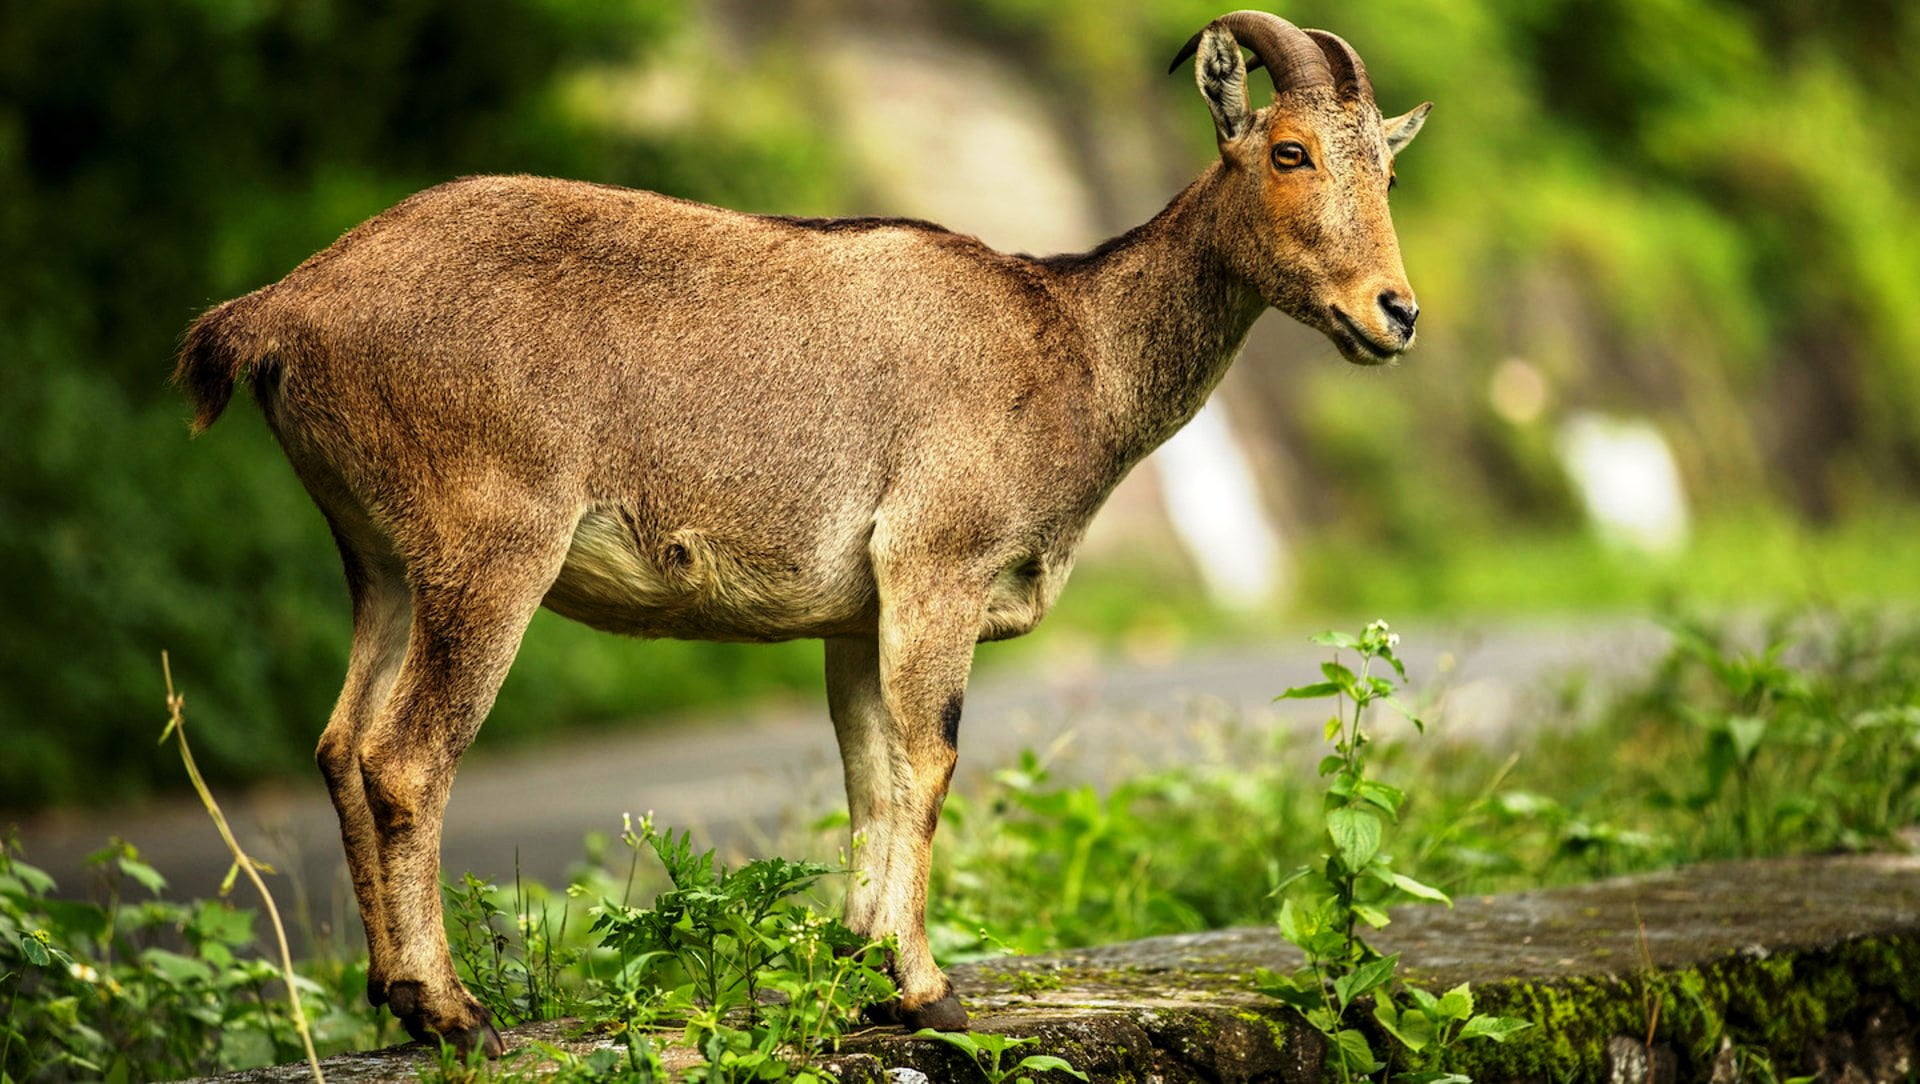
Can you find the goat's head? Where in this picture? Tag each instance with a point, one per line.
(1305, 220)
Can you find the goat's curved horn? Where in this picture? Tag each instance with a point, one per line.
(1284, 48)
(1349, 75)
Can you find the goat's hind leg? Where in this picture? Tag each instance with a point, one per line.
(469, 613)
(873, 760)
(382, 610)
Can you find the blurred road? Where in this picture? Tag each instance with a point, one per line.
(736, 776)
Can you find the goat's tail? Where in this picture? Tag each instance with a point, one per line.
(224, 346)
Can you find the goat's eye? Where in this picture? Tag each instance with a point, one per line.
(1290, 155)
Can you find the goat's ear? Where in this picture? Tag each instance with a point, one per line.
(1400, 130)
(1222, 75)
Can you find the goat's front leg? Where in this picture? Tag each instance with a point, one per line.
(929, 623)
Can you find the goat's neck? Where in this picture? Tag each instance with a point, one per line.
(1162, 316)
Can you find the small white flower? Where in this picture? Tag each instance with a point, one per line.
(83, 972)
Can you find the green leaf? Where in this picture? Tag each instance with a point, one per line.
(1355, 1051)
(1497, 1028)
(1317, 691)
(1303, 994)
(1746, 731)
(1718, 760)
(1419, 890)
(1385, 1011)
(217, 922)
(1334, 639)
(34, 949)
(1400, 706)
(996, 1044)
(1411, 1029)
(34, 879)
(145, 874)
(1287, 881)
(1340, 677)
(1341, 787)
(1385, 796)
(1457, 1003)
(1047, 1063)
(1364, 979)
(1356, 833)
(176, 969)
(1371, 915)
(958, 1039)
(1290, 925)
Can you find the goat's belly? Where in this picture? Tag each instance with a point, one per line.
(688, 584)
(1023, 594)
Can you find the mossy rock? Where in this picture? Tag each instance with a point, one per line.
(1811, 965)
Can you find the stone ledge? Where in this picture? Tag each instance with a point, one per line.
(1813, 962)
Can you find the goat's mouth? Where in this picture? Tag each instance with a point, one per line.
(1355, 344)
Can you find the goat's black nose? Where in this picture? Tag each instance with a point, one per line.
(1401, 312)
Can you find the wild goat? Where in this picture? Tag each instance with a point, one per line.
(668, 419)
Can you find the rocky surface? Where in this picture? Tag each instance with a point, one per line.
(1812, 964)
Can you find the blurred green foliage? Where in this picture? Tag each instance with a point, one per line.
(156, 157)
(1698, 211)
(1802, 737)
(1694, 210)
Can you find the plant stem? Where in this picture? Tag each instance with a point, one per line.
(177, 725)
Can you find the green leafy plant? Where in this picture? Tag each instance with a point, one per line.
(510, 951)
(139, 987)
(759, 981)
(1325, 905)
(732, 959)
(450, 1066)
(1426, 1022)
(1061, 864)
(988, 1053)
(1805, 742)
(636, 1061)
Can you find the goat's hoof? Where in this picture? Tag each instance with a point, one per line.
(466, 1031)
(942, 1014)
